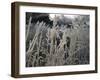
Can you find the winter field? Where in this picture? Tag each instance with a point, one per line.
(57, 39)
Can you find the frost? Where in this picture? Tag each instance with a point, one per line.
(57, 45)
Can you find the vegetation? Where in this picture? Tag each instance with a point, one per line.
(57, 44)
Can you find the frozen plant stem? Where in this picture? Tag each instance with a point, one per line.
(29, 25)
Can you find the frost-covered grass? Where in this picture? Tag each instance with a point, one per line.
(57, 45)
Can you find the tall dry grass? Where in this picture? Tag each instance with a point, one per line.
(58, 45)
